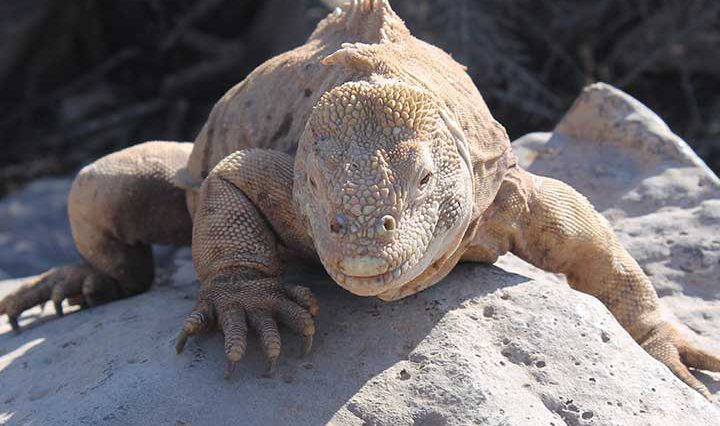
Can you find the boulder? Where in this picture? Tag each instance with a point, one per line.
(485, 346)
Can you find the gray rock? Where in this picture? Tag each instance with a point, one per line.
(526, 353)
(483, 347)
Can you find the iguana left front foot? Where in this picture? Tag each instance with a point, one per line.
(666, 345)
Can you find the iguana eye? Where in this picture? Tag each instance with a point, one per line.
(424, 181)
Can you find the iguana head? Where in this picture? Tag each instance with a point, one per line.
(384, 183)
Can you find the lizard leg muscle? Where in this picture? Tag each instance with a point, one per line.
(550, 225)
(118, 206)
(244, 218)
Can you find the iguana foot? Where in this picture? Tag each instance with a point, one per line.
(667, 345)
(79, 284)
(233, 302)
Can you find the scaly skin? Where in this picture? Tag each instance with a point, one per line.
(400, 172)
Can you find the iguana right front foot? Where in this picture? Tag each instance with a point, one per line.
(236, 300)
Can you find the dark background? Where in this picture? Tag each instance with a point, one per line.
(80, 78)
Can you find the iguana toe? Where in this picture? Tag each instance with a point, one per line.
(264, 325)
(199, 320)
(234, 326)
(303, 297)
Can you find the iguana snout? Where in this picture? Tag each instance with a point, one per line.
(382, 184)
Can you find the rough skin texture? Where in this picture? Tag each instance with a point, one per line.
(399, 173)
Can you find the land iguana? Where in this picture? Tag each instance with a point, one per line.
(365, 149)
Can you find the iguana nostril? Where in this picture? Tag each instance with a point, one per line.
(388, 223)
(337, 224)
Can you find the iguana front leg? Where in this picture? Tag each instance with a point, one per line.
(244, 216)
(118, 207)
(550, 225)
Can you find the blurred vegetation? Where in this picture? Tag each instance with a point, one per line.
(80, 78)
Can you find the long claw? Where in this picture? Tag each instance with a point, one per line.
(58, 308)
(181, 340)
(300, 321)
(307, 344)
(198, 321)
(271, 367)
(229, 368)
(14, 324)
(76, 300)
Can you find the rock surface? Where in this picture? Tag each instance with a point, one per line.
(483, 347)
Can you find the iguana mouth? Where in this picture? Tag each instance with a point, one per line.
(371, 285)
